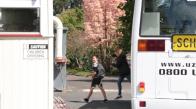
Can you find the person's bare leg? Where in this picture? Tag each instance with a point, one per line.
(103, 91)
(90, 92)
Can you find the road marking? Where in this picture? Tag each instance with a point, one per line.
(98, 90)
(106, 90)
(68, 90)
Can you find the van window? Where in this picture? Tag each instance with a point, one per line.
(19, 20)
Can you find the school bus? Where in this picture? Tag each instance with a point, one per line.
(164, 54)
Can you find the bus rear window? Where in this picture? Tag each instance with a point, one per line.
(19, 20)
(168, 17)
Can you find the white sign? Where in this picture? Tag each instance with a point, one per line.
(36, 51)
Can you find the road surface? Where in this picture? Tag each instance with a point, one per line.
(77, 89)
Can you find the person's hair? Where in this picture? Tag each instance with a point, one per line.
(96, 57)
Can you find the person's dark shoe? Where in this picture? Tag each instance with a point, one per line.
(118, 97)
(105, 100)
(57, 90)
(86, 100)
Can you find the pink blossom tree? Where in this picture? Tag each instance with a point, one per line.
(101, 24)
(101, 20)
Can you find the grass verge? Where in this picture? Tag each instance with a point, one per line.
(77, 72)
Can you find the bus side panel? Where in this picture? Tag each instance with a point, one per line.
(135, 35)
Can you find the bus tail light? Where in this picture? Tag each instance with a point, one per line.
(141, 87)
(142, 103)
(151, 45)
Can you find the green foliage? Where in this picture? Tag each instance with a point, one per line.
(126, 26)
(81, 60)
(76, 3)
(76, 45)
(59, 5)
(73, 19)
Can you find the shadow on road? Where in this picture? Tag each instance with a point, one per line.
(112, 104)
(83, 80)
(77, 101)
